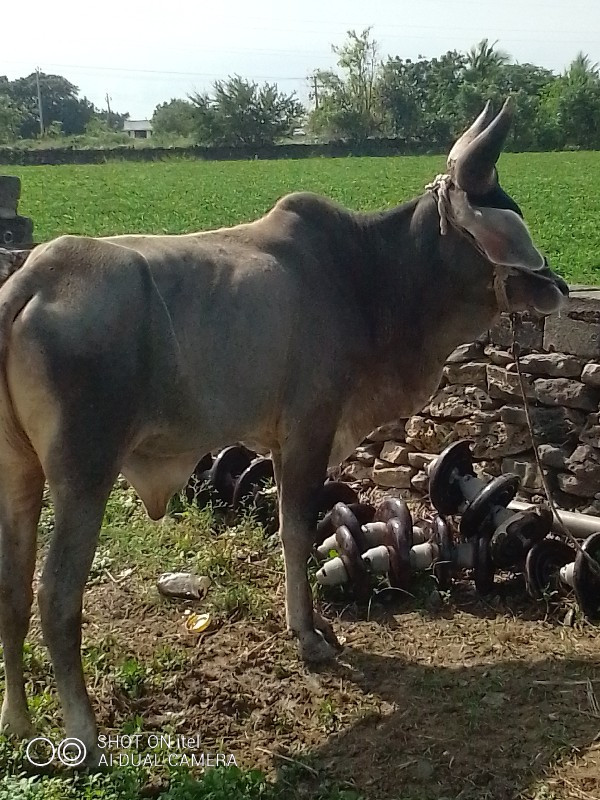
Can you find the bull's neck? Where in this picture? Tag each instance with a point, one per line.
(432, 292)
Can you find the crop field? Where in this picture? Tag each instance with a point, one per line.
(460, 699)
(557, 192)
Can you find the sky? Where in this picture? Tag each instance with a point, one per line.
(142, 54)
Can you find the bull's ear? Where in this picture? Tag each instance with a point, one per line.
(500, 233)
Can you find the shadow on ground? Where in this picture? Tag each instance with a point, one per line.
(468, 732)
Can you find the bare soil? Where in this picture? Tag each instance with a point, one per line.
(475, 700)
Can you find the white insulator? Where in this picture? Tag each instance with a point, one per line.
(374, 533)
(374, 536)
(464, 555)
(333, 573)
(419, 536)
(326, 547)
(470, 487)
(566, 573)
(422, 556)
(377, 559)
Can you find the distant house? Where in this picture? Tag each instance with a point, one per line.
(138, 128)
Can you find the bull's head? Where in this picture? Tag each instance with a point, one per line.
(492, 221)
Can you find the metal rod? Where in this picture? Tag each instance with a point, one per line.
(580, 525)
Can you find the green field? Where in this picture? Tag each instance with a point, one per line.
(478, 700)
(557, 191)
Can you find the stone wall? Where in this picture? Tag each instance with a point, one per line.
(129, 152)
(479, 399)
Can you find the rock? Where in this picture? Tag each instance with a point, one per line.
(391, 430)
(454, 402)
(357, 471)
(471, 373)
(582, 455)
(558, 425)
(434, 602)
(593, 509)
(398, 477)
(565, 392)
(429, 436)
(526, 468)
(420, 460)
(183, 585)
(557, 365)
(572, 336)
(366, 454)
(579, 486)
(395, 453)
(584, 464)
(591, 432)
(568, 502)
(465, 352)
(494, 440)
(503, 384)
(591, 375)
(498, 357)
(486, 470)
(530, 332)
(553, 456)
(420, 482)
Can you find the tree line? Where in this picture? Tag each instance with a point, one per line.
(424, 103)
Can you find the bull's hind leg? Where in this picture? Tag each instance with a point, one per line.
(21, 487)
(302, 473)
(79, 503)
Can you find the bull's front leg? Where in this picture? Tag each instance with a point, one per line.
(302, 475)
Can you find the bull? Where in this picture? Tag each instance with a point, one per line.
(298, 333)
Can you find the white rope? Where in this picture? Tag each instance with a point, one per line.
(440, 188)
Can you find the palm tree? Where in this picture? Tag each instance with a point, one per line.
(581, 70)
(483, 59)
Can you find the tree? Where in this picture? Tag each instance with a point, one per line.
(484, 61)
(241, 112)
(572, 105)
(177, 117)
(60, 103)
(11, 118)
(419, 98)
(348, 104)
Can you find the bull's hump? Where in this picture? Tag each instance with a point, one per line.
(316, 212)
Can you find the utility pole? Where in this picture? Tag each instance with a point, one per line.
(39, 99)
(107, 110)
(316, 91)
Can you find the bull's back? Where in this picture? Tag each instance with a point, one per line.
(251, 335)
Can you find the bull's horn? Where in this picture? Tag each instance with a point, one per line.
(480, 124)
(475, 168)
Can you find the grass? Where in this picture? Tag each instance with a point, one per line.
(422, 707)
(557, 192)
(135, 647)
(190, 539)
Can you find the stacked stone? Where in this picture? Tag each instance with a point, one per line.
(15, 230)
(479, 399)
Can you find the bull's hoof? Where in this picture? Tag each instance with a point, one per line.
(314, 649)
(16, 725)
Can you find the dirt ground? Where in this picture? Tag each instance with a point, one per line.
(463, 699)
(475, 700)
